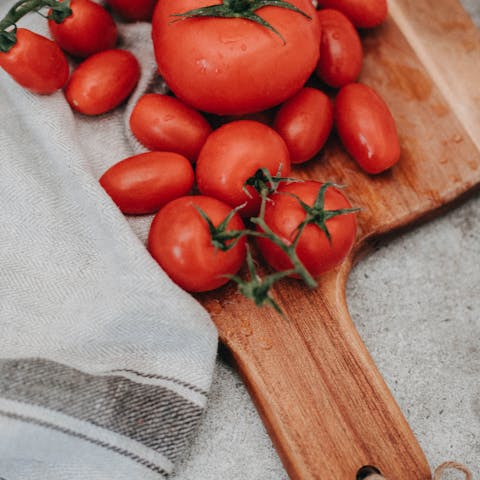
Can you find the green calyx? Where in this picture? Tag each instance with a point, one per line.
(317, 215)
(264, 183)
(257, 288)
(59, 11)
(241, 9)
(223, 239)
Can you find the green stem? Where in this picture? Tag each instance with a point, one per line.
(290, 250)
(8, 24)
(21, 8)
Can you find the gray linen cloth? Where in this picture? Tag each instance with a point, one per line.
(105, 364)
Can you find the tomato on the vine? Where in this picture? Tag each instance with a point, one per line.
(366, 128)
(88, 30)
(232, 154)
(102, 82)
(134, 10)
(340, 49)
(36, 63)
(232, 66)
(160, 122)
(362, 13)
(284, 215)
(304, 122)
(145, 182)
(180, 240)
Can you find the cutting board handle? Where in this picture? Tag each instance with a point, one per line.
(325, 404)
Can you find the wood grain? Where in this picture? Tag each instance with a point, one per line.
(320, 395)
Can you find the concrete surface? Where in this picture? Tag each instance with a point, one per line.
(416, 303)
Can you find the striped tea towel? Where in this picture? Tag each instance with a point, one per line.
(105, 364)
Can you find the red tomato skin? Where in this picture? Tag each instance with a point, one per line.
(238, 66)
(90, 29)
(305, 122)
(232, 154)
(362, 13)
(160, 122)
(36, 63)
(134, 10)
(180, 242)
(341, 52)
(144, 183)
(366, 128)
(102, 82)
(283, 215)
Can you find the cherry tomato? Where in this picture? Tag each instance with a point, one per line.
(102, 82)
(304, 122)
(362, 13)
(36, 63)
(366, 128)
(340, 49)
(231, 66)
(232, 154)
(144, 183)
(88, 30)
(134, 10)
(284, 214)
(161, 122)
(180, 241)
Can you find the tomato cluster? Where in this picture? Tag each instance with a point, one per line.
(239, 114)
(86, 31)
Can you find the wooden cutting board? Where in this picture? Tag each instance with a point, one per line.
(326, 407)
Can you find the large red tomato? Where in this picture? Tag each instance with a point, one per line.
(232, 154)
(284, 214)
(234, 66)
(181, 242)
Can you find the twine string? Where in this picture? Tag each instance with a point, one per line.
(439, 471)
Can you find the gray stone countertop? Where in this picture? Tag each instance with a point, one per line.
(416, 304)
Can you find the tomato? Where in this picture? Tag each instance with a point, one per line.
(161, 122)
(232, 154)
(144, 183)
(88, 30)
(180, 241)
(102, 82)
(284, 214)
(304, 122)
(36, 63)
(231, 66)
(362, 13)
(366, 128)
(134, 10)
(340, 49)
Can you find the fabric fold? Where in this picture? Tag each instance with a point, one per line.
(105, 364)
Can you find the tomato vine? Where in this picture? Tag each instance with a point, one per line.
(256, 288)
(59, 11)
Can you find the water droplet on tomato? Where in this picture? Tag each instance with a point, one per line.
(203, 64)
